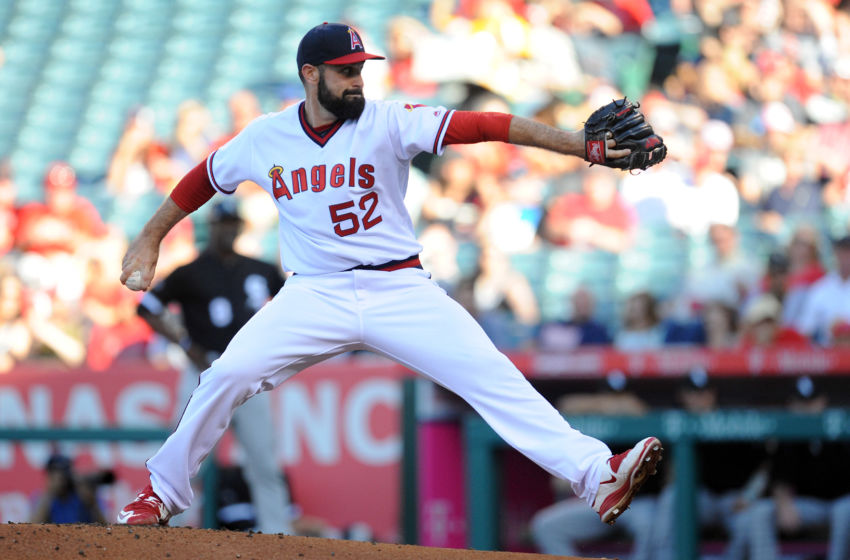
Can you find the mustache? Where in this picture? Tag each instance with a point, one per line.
(353, 92)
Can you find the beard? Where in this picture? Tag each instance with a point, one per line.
(341, 107)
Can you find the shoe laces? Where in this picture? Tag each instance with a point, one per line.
(152, 500)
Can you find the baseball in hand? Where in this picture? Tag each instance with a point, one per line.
(134, 281)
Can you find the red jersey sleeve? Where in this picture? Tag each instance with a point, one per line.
(468, 127)
(194, 189)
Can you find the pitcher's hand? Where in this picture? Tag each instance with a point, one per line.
(142, 255)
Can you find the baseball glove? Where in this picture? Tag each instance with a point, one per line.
(622, 121)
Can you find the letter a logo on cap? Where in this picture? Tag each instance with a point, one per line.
(355, 39)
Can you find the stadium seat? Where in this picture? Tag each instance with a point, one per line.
(565, 270)
(657, 262)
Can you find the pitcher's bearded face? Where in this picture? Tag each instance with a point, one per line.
(349, 102)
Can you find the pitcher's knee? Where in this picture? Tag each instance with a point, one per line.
(226, 377)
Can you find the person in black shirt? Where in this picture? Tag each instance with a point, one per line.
(67, 497)
(731, 476)
(808, 489)
(217, 293)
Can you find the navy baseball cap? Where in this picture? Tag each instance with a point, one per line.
(332, 43)
(58, 462)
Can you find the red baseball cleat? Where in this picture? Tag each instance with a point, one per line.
(628, 471)
(146, 509)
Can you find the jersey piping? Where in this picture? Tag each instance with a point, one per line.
(441, 132)
(320, 138)
(212, 176)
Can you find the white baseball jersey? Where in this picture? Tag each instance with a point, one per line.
(340, 193)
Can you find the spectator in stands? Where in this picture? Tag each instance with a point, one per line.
(775, 279)
(715, 326)
(138, 174)
(129, 175)
(595, 218)
(67, 498)
(244, 107)
(471, 182)
(804, 269)
(826, 311)
(56, 328)
(114, 328)
(8, 212)
(43, 296)
(799, 499)
(714, 197)
(561, 527)
(512, 212)
(193, 135)
(799, 195)
(718, 92)
(403, 35)
(582, 328)
(63, 222)
(15, 337)
(762, 326)
(663, 195)
(729, 277)
(641, 328)
(452, 190)
(720, 322)
(501, 299)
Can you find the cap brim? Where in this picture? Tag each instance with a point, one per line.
(354, 58)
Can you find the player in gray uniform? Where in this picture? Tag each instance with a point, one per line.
(336, 167)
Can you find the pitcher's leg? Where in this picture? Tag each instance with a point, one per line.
(432, 334)
(189, 377)
(298, 328)
(255, 430)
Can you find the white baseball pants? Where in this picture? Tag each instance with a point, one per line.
(400, 314)
(252, 426)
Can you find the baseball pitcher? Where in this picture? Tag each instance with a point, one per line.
(336, 167)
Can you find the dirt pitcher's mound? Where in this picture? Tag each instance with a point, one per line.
(115, 542)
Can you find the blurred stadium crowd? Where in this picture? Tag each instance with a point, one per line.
(737, 240)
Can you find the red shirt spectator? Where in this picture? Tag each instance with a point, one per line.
(63, 221)
(114, 331)
(805, 269)
(762, 327)
(596, 218)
